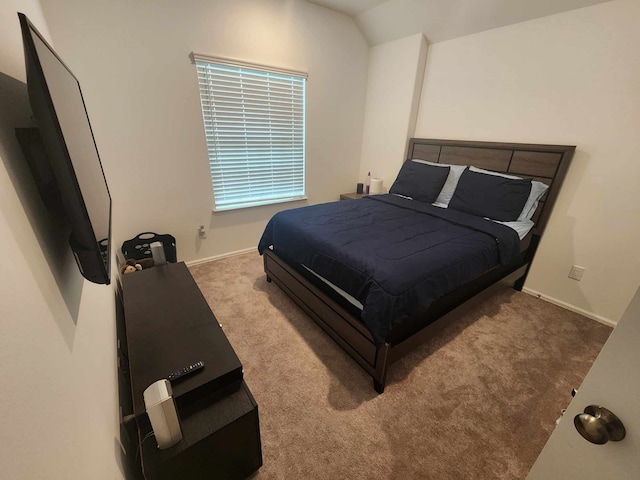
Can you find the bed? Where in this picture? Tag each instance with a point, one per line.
(379, 272)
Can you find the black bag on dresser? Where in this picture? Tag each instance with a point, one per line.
(139, 246)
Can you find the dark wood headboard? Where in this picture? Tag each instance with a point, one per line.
(545, 163)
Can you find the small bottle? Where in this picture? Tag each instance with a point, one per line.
(367, 185)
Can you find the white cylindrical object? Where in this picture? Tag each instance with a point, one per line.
(161, 409)
(376, 186)
(157, 251)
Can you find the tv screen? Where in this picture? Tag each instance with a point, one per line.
(70, 154)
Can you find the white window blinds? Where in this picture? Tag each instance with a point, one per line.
(254, 121)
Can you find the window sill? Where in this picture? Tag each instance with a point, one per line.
(219, 210)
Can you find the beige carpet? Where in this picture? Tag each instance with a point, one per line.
(479, 401)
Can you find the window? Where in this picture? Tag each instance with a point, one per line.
(254, 122)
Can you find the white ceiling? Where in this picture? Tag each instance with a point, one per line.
(350, 7)
(382, 21)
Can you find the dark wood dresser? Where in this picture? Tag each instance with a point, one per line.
(165, 324)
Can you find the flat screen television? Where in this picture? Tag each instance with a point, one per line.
(63, 156)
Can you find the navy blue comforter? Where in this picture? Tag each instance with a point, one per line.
(396, 256)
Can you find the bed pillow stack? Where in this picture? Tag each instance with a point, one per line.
(538, 189)
(419, 181)
(485, 193)
(445, 195)
(491, 196)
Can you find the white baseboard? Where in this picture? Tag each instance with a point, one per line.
(221, 256)
(570, 307)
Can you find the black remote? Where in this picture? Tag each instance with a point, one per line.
(186, 370)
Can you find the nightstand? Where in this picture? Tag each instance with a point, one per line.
(351, 196)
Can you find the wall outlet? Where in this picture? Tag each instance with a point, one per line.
(576, 272)
(202, 232)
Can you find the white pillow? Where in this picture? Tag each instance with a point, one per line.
(537, 190)
(446, 194)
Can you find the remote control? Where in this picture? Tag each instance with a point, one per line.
(186, 370)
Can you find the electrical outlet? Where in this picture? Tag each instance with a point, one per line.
(576, 272)
(202, 232)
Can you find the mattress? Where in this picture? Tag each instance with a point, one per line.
(352, 300)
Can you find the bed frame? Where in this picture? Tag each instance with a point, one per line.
(545, 163)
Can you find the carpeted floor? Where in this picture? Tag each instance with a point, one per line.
(478, 401)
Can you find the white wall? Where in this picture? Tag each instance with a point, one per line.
(572, 78)
(142, 97)
(393, 94)
(58, 407)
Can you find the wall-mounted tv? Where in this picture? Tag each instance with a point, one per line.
(62, 153)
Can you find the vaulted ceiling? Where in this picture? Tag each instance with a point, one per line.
(382, 21)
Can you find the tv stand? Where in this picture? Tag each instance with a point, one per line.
(168, 325)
